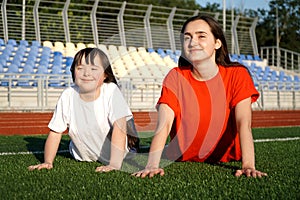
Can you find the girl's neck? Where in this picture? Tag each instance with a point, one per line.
(204, 72)
(91, 96)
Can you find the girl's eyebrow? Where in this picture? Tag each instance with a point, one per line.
(197, 32)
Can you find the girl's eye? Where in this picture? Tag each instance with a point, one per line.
(186, 38)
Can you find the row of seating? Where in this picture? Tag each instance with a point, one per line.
(50, 58)
(272, 79)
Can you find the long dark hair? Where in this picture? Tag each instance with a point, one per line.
(222, 54)
(90, 54)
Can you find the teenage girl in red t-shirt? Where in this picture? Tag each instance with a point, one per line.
(205, 104)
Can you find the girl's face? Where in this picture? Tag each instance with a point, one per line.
(199, 42)
(89, 77)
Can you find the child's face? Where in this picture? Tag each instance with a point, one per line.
(89, 77)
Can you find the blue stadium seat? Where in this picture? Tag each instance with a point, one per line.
(28, 69)
(69, 61)
(12, 69)
(249, 57)
(242, 57)
(54, 81)
(24, 81)
(257, 58)
(13, 42)
(1, 68)
(178, 53)
(42, 69)
(2, 43)
(151, 50)
(234, 57)
(161, 52)
(266, 73)
(35, 43)
(24, 43)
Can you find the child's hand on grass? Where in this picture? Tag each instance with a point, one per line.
(149, 172)
(106, 168)
(40, 166)
(250, 172)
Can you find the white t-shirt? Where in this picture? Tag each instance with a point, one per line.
(89, 122)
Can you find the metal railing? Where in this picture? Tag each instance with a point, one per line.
(140, 94)
(113, 23)
(281, 58)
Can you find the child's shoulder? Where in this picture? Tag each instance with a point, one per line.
(69, 91)
(109, 86)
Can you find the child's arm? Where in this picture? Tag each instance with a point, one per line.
(51, 147)
(118, 143)
(243, 114)
(164, 124)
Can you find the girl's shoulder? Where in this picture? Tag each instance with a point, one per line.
(109, 86)
(234, 70)
(69, 91)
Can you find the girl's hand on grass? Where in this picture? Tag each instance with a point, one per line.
(250, 172)
(149, 172)
(40, 166)
(106, 168)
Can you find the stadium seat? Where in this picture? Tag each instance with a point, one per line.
(1, 68)
(35, 43)
(150, 50)
(161, 52)
(242, 57)
(68, 61)
(91, 45)
(59, 46)
(24, 81)
(24, 42)
(113, 52)
(28, 69)
(70, 49)
(80, 46)
(48, 44)
(257, 58)
(13, 42)
(2, 43)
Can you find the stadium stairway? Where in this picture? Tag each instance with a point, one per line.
(28, 123)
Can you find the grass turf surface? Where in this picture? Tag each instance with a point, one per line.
(70, 179)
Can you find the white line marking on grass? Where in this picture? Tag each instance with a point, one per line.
(65, 151)
(277, 139)
(28, 152)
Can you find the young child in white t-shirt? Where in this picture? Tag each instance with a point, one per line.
(95, 114)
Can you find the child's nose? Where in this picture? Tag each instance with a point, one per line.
(87, 72)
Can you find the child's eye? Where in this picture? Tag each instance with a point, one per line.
(186, 38)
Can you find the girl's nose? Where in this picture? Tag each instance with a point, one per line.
(193, 42)
(87, 72)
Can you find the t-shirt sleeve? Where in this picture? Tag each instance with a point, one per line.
(169, 92)
(118, 106)
(243, 87)
(58, 122)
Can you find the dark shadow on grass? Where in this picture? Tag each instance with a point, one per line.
(226, 166)
(35, 144)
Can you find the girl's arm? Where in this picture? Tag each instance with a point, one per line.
(164, 124)
(243, 114)
(118, 143)
(51, 147)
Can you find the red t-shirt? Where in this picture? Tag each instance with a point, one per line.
(204, 128)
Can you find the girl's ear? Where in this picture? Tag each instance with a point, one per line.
(218, 44)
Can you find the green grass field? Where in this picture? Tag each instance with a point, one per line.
(70, 179)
